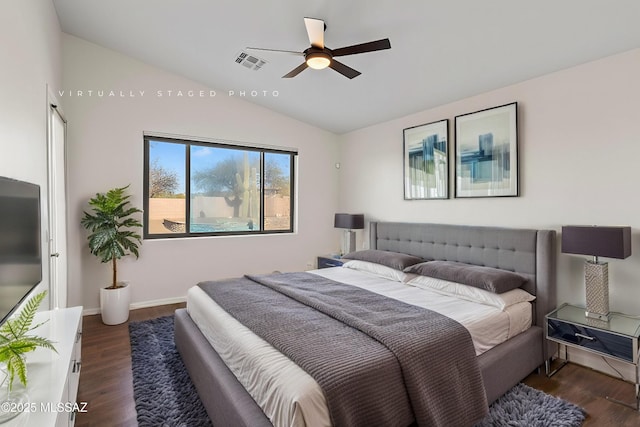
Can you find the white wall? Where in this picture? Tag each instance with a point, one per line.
(579, 135)
(30, 57)
(106, 150)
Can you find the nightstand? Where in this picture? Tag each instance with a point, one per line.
(618, 338)
(328, 261)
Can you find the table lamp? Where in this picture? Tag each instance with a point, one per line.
(608, 242)
(349, 222)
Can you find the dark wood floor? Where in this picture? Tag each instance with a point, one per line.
(106, 381)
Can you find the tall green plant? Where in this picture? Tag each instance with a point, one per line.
(14, 341)
(113, 229)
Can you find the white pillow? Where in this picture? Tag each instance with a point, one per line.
(379, 270)
(500, 301)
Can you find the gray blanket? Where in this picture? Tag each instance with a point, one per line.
(379, 362)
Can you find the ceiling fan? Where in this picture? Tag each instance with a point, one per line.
(318, 56)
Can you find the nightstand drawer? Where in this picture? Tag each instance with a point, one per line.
(604, 342)
(327, 262)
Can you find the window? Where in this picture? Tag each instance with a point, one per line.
(195, 188)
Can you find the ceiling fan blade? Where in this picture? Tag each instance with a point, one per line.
(292, 52)
(315, 30)
(362, 48)
(300, 68)
(343, 69)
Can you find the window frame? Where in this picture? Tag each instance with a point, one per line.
(188, 142)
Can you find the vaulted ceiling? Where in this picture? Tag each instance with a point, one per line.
(441, 50)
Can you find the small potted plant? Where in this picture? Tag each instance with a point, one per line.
(113, 235)
(14, 343)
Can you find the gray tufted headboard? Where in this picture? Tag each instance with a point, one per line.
(531, 253)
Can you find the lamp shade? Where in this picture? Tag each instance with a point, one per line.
(349, 221)
(609, 242)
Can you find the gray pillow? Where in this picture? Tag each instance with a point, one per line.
(487, 278)
(395, 260)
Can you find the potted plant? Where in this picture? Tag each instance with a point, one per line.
(113, 235)
(14, 342)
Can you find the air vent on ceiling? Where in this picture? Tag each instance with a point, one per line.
(250, 61)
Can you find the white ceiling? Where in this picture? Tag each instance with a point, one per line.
(441, 50)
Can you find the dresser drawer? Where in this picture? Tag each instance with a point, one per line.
(605, 342)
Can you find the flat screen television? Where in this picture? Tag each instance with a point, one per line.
(20, 243)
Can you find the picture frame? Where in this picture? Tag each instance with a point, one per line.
(486, 153)
(426, 161)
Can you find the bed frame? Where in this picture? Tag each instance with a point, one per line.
(531, 253)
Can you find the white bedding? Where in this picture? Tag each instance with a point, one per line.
(287, 394)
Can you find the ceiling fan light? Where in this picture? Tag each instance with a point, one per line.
(318, 60)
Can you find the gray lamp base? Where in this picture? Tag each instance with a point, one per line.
(596, 278)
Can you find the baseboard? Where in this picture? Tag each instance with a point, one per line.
(90, 311)
(141, 304)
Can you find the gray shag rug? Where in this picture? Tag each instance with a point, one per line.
(524, 406)
(165, 395)
(162, 389)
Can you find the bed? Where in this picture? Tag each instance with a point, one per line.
(529, 253)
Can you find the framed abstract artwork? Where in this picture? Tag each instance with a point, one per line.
(426, 161)
(486, 153)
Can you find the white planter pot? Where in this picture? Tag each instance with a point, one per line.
(114, 304)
